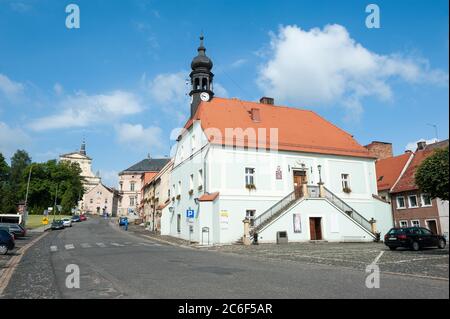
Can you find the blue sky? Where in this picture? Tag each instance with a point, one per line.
(118, 81)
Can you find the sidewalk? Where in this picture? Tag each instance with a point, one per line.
(39, 229)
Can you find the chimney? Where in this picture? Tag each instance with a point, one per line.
(380, 150)
(266, 100)
(421, 145)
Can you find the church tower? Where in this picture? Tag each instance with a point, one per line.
(201, 78)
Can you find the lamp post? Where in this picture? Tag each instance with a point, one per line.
(319, 168)
(26, 197)
(56, 196)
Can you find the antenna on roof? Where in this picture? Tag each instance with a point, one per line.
(148, 156)
(435, 130)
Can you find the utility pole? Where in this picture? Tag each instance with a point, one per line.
(26, 197)
(56, 196)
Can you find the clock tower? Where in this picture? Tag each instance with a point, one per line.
(201, 78)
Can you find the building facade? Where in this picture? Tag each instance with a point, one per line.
(131, 182)
(412, 207)
(245, 168)
(100, 200)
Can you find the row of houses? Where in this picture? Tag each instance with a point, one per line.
(246, 170)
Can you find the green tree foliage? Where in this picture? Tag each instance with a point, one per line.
(432, 175)
(44, 179)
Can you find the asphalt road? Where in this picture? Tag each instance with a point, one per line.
(116, 264)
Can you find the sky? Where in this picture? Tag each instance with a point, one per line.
(119, 80)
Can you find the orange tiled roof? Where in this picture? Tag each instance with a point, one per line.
(407, 181)
(208, 197)
(389, 169)
(298, 130)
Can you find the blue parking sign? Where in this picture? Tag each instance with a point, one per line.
(190, 213)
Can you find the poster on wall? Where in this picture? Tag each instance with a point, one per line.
(297, 223)
(223, 219)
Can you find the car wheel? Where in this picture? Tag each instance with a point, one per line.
(392, 248)
(441, 244)
(3, 250)
(415, 246)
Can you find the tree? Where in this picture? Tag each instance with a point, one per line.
(7, 203)
(432, 176)
(4, 169)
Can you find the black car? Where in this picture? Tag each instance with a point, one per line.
(76, 219)
(16, 229)
(414, 238)
(6, 242)
(57, 224)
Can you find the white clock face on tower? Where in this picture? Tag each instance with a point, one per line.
(204, 96)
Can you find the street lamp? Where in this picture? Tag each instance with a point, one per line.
(319, 167)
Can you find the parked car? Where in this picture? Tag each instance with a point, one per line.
(414, 238)
(6, 242)
(67, 222)
(57, 224)
(122, 220)
(83, 217)
(8, 230)
(18, 230)
(76, 219)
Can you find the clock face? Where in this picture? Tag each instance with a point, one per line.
(204, 96)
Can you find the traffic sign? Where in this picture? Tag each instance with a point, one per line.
(190, 213)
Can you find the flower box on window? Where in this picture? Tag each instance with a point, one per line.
(347, 190)
(191, 192)
(178, 197)
(250, 187)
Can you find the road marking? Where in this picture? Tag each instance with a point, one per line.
(378, 257)
(101, 245)
(53, 248)
(116, 244)
(86, 245)
(69, 246)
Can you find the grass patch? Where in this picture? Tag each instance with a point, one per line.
(36, 220)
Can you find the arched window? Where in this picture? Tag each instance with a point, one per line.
(197, 84)
(204, 84)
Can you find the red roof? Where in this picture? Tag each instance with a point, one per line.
(407, 181)
(208, 197)
(389, 170)
(298, 130)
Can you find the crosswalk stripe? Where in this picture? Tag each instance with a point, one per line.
(86, 245)
(53, 248)
(70, 246)
(101, 245)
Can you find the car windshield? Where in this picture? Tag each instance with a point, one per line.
(396, 231)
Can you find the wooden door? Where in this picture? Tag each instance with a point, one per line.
(432, 226)
(315, 228)
(299, 179)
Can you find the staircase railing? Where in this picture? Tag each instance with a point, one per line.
(347, 209)
(279, 206)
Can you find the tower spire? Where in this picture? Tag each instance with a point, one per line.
(83, 147)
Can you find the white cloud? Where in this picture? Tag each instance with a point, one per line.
(238, 63)
(20, 6)
(58, 89)
(9, 88)
(169, 88)
(138, 137)
(110, 178)
(327, 67)
(219, 90)
(82, 110)
(12, 139)
(412, 146)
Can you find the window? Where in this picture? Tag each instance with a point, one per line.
(132, 187)
(168, 193)
(106, 201)
(173, 190)
(179, 188)
(131, 200)
(401, 202)
(426, 231)
(179, 223)
(403, 223)
(426, 200)
(91, 201)
(345, 179)
(250, 214)
(415, 223)
(249, 176)
(200, 177)
(121, 186)
(413, 201)
(191, 182)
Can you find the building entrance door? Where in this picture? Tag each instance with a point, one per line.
(299, 180)
(315, 228)
(432, 226)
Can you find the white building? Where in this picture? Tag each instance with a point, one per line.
(101, 199)
(238, 159)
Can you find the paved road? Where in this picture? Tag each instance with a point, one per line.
(115, 264)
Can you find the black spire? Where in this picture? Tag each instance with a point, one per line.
(83, 148)
(201, 77)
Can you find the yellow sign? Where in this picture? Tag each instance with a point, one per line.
(45, 221)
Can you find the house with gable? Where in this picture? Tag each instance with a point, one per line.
(246, 170)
